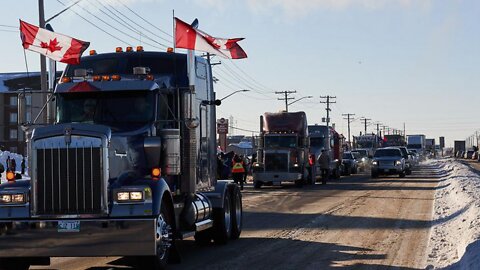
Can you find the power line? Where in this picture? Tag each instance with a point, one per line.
(110, 25)
(136, 14)
(94, 25)
(9, 26)
(128, 18)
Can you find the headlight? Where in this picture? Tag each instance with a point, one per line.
(295, 165)
(363, 159)
(14, 198)
(374, 162)
(131, 196)
(398, 162)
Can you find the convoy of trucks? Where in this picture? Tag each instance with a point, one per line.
(128, 168)
(283, 152)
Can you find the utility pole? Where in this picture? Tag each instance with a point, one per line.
(365, 120)
(349, 120)
(383, 127)
(43, 62)
(328, 102)
(286, 98)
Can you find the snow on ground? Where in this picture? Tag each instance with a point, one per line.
(456, 218)
(3, 159)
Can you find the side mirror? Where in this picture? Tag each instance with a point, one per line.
(218, 102)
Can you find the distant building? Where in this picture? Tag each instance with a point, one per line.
(12, 137)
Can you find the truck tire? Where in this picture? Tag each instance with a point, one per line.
(408, 172)
(402, 174)
(14, 264)
(237, 212)
(374, 175)
(164, 241)
(257, 184)
(222, 221)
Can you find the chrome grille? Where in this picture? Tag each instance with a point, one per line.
(69, 181)
(275, 162)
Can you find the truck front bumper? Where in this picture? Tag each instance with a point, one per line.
(276, 177)
(93, 237)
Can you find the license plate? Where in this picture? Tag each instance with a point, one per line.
(68, 226)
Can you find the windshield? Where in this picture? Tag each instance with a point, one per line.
(356, 155)
(120, 110)
(362, 153)
(388, 153)
(280, 141)
(416, 146)
(347, 156)
(318, 142)
(366, 144)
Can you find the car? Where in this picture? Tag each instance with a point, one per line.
(408, 160)
(388, 161)
(362, 162)
(349, 163)
(415, 157)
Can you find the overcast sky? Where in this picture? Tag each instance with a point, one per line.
(393, 61)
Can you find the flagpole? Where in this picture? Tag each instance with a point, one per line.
(173, 31)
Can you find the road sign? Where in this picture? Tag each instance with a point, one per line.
(222, 126)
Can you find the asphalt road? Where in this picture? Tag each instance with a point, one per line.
(352, 223)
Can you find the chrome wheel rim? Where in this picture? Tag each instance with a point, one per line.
(163, 237)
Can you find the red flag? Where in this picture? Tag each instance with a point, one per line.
(53, 45)
(190, 38)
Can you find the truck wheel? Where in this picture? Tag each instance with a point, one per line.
(408, 172)
(222, 221)
(14, 264)
(402, 174)
(163, 238)
(257, 184)
(237, 212)
(374, 175)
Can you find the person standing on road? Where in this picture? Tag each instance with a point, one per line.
(22, 165)
(13, 163)
(8, 163)
(238, 170)
(324, 162)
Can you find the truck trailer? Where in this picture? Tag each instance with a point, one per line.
(282, 155)
(128, 167)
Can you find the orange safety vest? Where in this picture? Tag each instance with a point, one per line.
(238, 167)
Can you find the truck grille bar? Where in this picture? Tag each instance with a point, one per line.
(69, 181)
(276, 162)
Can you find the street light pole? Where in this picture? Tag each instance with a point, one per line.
(298, 100)
(238, 91)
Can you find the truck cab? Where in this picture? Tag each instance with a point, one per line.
(132, 149)
(319, 142)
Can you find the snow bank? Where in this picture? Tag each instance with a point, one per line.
(18, 159)
(456, 218)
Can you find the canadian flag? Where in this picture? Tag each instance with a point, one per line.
(53, 45)
(190, 38)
